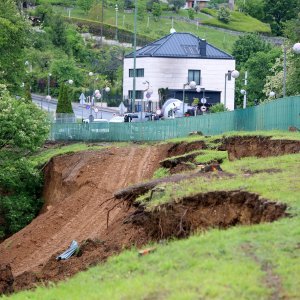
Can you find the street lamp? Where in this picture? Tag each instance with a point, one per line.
(191, 85)
(296, 49)
(244, 92)
(272, 94)
(234, 74)
(117, 9)
(101, 96)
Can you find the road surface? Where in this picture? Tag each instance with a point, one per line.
(80, 111)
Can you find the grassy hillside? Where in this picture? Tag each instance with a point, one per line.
(243, 262)
(155, 29)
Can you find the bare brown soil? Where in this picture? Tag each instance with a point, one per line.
(79, 190)
(238, 147)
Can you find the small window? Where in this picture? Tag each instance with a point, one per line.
(138, 94)
(194, 75)
(138, 72)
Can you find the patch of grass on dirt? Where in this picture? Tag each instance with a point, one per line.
(161, 172)
(208, 156)
(45, 155)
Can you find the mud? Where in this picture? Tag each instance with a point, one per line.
(258, 146)
(207, 210)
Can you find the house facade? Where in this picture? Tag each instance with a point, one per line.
(172, 62)
(196, 3)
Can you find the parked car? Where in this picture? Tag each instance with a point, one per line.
(117, 119)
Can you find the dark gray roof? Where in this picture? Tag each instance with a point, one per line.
(181, 45)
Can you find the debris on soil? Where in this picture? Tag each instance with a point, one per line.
(132, 192)
(146, 251)
(6, 279)
(258, 146)
(220, 209)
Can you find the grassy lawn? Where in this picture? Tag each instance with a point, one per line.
(244, 262)
(238, 22)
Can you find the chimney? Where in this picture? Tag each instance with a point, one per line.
(202, 47)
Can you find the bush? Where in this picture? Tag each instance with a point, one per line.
(219, 107)
(224, 15)
(20, 190)
(191, 13)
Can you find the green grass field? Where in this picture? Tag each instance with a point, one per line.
(243, 262)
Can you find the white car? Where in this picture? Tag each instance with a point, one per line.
(117, 119)
(96, 121)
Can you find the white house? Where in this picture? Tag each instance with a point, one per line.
(194, 3)
(174, 61)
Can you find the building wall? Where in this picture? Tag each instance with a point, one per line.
(172, 73)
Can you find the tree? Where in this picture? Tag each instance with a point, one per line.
(22, 125)
(64, 104)
(277, 12)
(177, 4)
(247, 45)
(86, 5)
(254, 8)
(259, 67)
(156, 10)
(13, 39)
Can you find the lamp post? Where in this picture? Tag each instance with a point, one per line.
(296, 49)
(244, 92)
(107, 90)
(48, 99)
(192, 85)
(116, 9)
(148, 86)
(234, 74)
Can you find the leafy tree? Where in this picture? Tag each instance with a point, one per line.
(277, 12)
(156, 10)
(150, 3)
(57, 29)
(177, 4)
(254, 8)
(86, 5)
(22, 125)
(65, 69)
(247, 45)
(259, 67)
(128, 4)
(224, 15)
(13, 39)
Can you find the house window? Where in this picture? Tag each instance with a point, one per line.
(138, 94)
(139, 72)
(194, 75)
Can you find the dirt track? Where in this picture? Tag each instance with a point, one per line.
(78, 185)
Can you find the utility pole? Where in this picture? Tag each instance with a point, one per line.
(284, 70)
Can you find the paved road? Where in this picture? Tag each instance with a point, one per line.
(80, 110)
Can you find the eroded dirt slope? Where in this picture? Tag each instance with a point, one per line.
(76, 186)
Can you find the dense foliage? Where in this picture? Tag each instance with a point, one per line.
(13, 38)
(23, 128)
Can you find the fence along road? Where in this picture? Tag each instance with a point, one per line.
(276, 115)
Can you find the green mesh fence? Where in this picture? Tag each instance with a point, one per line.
(275, 115)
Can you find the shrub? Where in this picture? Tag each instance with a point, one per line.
(219, 107)
(224, 15)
